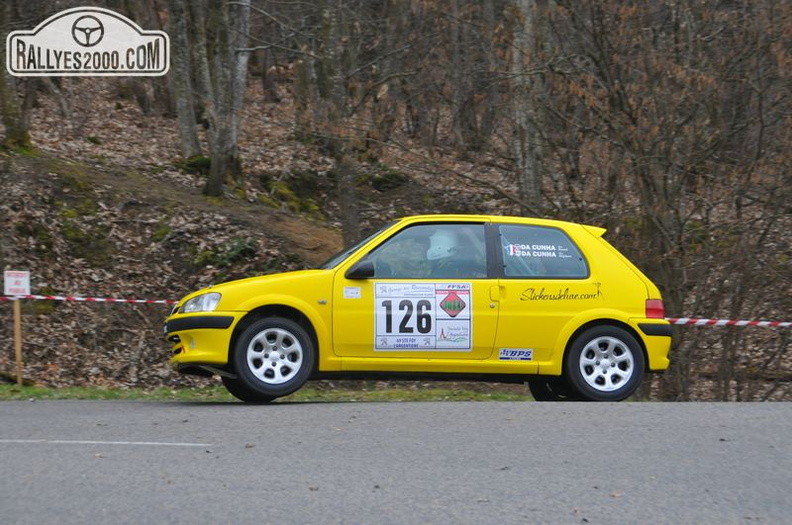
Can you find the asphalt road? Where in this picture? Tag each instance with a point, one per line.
(70, 462)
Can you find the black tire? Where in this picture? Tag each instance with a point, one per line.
(605, 363)
(551, 388)
(239, 391)
(272, 358)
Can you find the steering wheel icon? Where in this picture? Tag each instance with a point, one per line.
(87, 31)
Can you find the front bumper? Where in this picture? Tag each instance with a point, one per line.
(198, 323)
(200, 338)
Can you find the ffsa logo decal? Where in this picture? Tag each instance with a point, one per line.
(87, 41)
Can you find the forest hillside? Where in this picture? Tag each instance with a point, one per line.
(284, 131)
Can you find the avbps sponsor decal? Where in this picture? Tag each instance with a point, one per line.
(515, 354)
(87, 41)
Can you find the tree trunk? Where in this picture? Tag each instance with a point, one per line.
(181, 80)
(527, 163)
(17, 131)
(200, 51)
(153, 94)
(229, 67)
(336, 30)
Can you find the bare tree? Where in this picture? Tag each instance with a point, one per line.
(678, 110)
(15, 118)
(181, 78)
(221, 70)
(525, 136)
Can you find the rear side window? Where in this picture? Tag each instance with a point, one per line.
(540, 252)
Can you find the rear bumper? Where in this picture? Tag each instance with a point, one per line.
(658, 330)
(656, 336)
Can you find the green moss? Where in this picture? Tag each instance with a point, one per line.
(29, 151)
(125, 91)
(239, 249)
(295, 191)
(312, 209)
(384, 178)
(282, 192)
(161, 232)
(42, 237)
(45, 307)
(91, 245)
(204, 258)
(197, 165)
(68, 213)
(72, 232)
(632, 223)
(216, 201)
(87, 207)
(268, 201)
(696, 234)
(83, 207)
(71, 174)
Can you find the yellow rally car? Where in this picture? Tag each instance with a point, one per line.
(462, 297)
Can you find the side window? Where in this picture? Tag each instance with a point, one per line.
(436, 251)
(540, 252)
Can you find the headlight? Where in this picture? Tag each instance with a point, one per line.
(201, 303)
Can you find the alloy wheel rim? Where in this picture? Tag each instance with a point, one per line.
(274, 356)
(607, 364)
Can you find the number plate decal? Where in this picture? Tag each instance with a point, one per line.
(423, 317)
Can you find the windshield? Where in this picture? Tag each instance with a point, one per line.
(336, 259)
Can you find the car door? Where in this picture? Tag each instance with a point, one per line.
(429, 297)
(546, 282)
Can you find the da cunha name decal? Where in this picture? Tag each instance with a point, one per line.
(87, 41)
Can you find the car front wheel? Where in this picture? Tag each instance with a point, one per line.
(238, 389)
(605, 363)
(273, 358)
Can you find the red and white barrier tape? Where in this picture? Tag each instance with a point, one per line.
(726, 322)
(85, 299)
(684, 321)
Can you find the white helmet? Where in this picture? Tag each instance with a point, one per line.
(442, 244)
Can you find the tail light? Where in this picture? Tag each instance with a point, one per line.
(655, 309)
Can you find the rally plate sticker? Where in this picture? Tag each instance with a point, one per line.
(423, 316)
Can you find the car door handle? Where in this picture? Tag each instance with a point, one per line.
(495, 293)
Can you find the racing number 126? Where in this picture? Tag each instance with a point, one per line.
(423, 316)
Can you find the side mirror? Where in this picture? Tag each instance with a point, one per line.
(361, 270)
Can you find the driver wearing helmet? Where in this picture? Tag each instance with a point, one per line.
(443, 248)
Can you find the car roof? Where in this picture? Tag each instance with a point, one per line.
(445, 217)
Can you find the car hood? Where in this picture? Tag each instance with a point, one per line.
(235, 291)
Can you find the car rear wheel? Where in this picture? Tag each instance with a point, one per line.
(272, 358)
(544, 388)
(605, 363)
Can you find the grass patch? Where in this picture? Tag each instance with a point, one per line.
(14, 392)
(311, 393)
